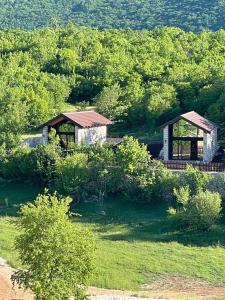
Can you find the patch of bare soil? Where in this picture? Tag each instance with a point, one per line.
(171, 287)
(167, 287)
(7, 291)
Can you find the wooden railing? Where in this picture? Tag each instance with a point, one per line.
(205, 167)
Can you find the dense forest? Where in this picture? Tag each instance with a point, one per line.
(136, 14)
(133, 77)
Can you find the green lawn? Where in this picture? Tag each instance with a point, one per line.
(135, 243)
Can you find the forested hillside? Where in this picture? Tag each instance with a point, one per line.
(135, 77)
(136, 14)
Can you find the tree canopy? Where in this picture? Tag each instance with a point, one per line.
(136, 14)
(135, 77)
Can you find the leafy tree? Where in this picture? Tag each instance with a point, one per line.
(132, 156)
(56, 253)
(160, 99)
(137, 172)
(107, 102)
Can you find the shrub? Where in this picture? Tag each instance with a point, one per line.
(46, 156)
(204, 209)
(137, 171)
(194, 179)
(71, 174)
(217, 184)
(105, 174)
(19, 164)
(132, 157)
(164, 183)
(58, 254)
(197, 212)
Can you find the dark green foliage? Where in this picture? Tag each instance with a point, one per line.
(18, 165)
(136, 14)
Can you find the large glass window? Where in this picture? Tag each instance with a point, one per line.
(184, 129)
(181, 150)
(187, 141)
(187, 150)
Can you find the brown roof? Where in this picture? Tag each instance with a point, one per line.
(195, 119)
(83, 119)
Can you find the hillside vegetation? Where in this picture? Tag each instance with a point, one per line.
(135, 77)
(135, 14)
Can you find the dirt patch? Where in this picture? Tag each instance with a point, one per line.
(7, 291)
(164, 287)
(184, 287)
(171, 287)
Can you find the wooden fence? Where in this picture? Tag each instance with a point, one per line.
(205, 167)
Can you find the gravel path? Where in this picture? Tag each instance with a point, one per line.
(120, 298)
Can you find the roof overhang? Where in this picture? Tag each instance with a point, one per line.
(66, 116)
(211, 126)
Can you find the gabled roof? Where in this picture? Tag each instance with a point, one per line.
(83, 119)
(196, 120)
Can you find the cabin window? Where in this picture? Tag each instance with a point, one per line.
(66, 127)
(184, 129)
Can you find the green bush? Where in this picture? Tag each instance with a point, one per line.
(164, 183)
(19, 164)
(136, 170)
(46, 156)
(217, 184)
(71, 174)
(195, 179)
(197, 212)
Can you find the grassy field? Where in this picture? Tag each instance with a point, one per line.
(135, 243)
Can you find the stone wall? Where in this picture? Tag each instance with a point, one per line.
(45, 135)
(210, 145)
(166, 143)
(91, 135)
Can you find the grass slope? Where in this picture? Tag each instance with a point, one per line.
(135, 243)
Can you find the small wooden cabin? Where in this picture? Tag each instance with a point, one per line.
(190, 137)
(87, 127)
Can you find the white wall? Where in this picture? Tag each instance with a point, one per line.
(45, 135)
(91, 135)
(210, 145)
(166, 143)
